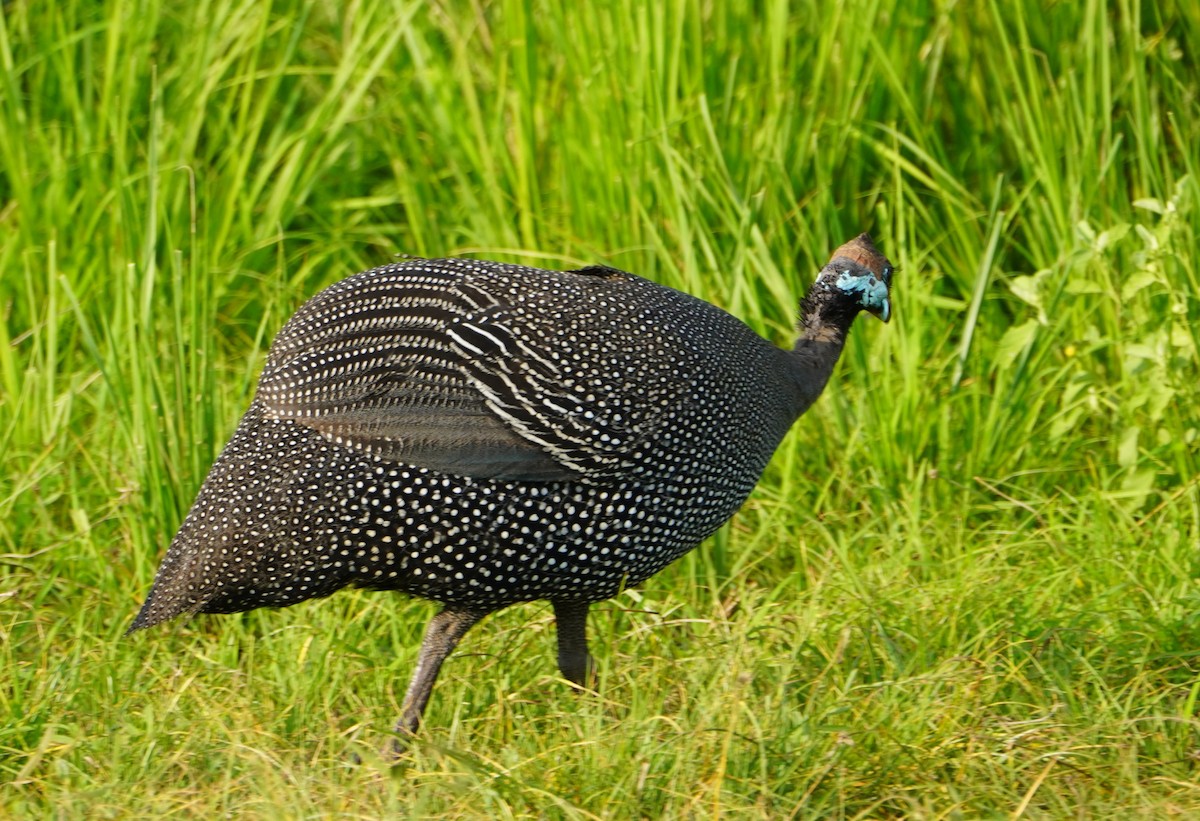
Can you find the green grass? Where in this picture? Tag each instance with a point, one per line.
(966, 586)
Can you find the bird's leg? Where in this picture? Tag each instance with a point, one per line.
(574, 662)
(443, 633)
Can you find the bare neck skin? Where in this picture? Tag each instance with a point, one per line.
(819, 342)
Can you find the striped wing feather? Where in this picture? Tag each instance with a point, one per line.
(436, 363)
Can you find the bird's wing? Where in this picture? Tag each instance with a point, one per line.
(484, 370)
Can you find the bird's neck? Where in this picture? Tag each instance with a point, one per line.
(820, 337)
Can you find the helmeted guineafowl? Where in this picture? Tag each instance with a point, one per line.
(482, 434)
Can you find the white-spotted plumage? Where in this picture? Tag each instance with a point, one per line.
(482, 434)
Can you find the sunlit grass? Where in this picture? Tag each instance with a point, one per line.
(966, 584)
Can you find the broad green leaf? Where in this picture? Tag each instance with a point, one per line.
(1127, 449)
(1112, 235)
(1026, 288)
(1014, 341)
(1079, 285)
(1137, 281)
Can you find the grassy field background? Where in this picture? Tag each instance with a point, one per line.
(966, 586)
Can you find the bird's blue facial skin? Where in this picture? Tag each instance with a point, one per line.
(873, 290)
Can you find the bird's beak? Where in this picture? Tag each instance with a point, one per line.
(883, 312)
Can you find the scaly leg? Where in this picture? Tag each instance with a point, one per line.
(574, 661)
(442, 634)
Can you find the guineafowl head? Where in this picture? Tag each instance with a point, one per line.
(856, 278)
